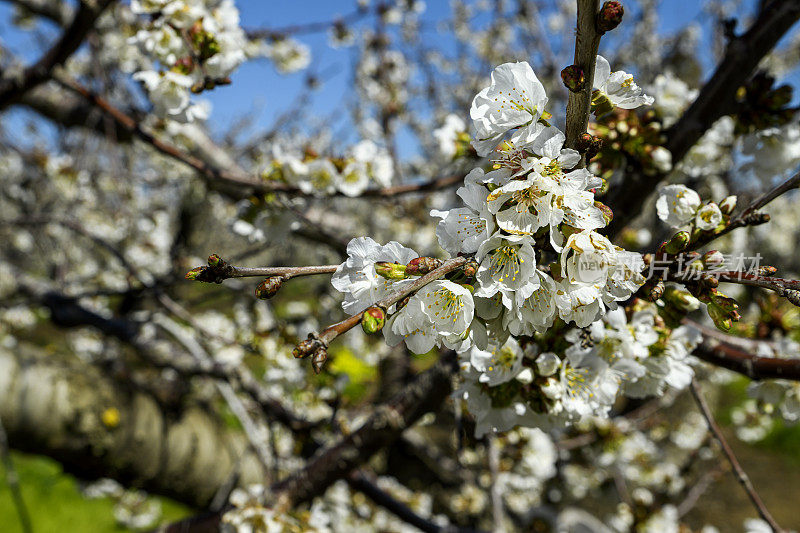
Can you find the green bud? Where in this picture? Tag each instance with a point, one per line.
(214, 260)
(678, 242)
(193, 273)
(372, 320)
(390, 270)
(681, 299)
(721, 319)
(726, 303)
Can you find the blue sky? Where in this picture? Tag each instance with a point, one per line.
(260, 93)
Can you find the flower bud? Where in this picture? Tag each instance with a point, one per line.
(214, 261)
(721, 319)
(422, 265)
(728, 205)
(681, 299)
(547, 364)
(193, 273)
(609, 16)
(589, 144)
(573, 78)
(318, 359)
(390, 270)
(712, 258)
(307, 347)
(269, 287)
(726, 303)
(372, 320)
(678, 242)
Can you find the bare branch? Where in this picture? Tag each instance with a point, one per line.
(751, 365)
(13, 87)
(741, 475)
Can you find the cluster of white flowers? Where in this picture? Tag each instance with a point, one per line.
(193, 43)
(535, 203)
(366, 163)
(678, 206)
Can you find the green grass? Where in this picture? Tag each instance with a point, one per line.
(56, 505)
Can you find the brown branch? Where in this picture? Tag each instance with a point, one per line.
(386, 424)
(13, 87)
(359, 481)
(741, 475)
(57, 12)
(235, 184)
(716, 99)
(587, 41)
(311, 27)
(753, 366)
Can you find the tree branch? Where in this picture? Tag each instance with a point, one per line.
(753, 366)
(587, 41)
(716, 99)
(741, 475)
(13, 87)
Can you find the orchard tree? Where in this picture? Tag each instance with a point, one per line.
(498, 288)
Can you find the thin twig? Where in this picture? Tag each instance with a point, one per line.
(236, 184)
(741, 475)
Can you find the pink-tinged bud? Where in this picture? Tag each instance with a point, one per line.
(390, 270)
(318, 359)
(214, 260)
(712, 258)
(373, 320)
(422, 265)
(193, 273)
(573, 78)
(608, 214)
(728, 205)
(269, 287)
(471, 269)
(677, 243)
(609, 16)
